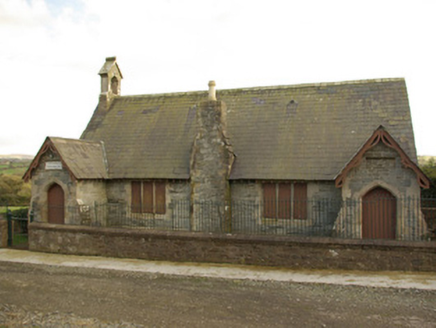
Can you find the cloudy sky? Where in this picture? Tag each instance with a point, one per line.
(52, 50)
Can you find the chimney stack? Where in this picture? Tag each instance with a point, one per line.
(211, 161)
(212, 91)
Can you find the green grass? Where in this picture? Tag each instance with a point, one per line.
(3, 210)
(19, 239)
(14, 168)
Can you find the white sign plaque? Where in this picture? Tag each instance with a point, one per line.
(53, 165)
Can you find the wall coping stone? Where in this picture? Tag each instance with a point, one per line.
(321, 242)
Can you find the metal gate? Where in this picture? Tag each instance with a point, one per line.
(17, 227)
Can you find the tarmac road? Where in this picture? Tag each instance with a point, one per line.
(67, 295)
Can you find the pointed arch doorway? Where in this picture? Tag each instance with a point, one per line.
(379, 214)
(56, 201)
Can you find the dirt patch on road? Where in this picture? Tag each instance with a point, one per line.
(130, 299)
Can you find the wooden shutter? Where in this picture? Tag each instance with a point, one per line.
(160, 197)
(136, 197)
(284, 203)
(147, 197)
(300, 201)
(269, 200)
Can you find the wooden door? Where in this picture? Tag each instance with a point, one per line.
(56, 204)
(379, 214)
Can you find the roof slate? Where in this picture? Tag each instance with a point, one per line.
(85, 159)
(302, 132)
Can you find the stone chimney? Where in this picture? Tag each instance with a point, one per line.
(211, 161)
(212, 91)
(110, 83)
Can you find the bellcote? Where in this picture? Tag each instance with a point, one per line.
(110, 83)
(110, 77)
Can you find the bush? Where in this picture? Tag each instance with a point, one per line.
(13, 190)
(429, 169)
(20, 212)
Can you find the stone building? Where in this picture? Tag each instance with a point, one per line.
(278, 159)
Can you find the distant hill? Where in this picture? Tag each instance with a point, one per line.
(14, 164)
(422, 160)
(16, 156)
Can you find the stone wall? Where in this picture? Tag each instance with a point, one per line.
(210, 164)
(3, 233)
(323, 205)
(382, 167)
(91, 191)
(43, 179)
(308, 253)
(177, 214)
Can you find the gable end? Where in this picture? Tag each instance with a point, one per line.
(381, 135)
(47, 146)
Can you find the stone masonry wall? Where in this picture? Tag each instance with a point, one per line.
(43, 179)
(237, 249)
(210, 165)
(3, 233)
(177, 214)
(323, 204)
(91, 191)
(382, 167)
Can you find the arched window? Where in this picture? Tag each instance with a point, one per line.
(114, 85)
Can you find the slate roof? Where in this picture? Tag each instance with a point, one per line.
(84, 159)
(301, 132)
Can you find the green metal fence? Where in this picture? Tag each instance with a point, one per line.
(410, 219)
(17, 217)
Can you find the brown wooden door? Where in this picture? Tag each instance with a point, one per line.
(56, 204)
(379, 214)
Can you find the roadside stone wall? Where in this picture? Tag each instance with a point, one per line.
(323, 205)
(3, 233)
(307, 253)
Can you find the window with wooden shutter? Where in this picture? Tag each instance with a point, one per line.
(300, 201)
(136, 197)
(284, 203)
(148, 197)
(269, 200)
(280, 202)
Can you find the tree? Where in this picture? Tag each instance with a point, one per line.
(429, 169)
(13, 190)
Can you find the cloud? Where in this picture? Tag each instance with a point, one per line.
(52, 51)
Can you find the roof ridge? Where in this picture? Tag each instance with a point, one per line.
(74, 139)
(272, 87)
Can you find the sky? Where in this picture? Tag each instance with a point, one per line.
(51, 52)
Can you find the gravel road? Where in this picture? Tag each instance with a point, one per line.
(48, 296)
